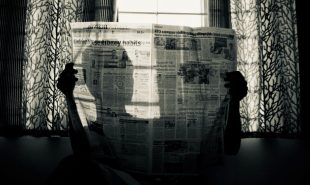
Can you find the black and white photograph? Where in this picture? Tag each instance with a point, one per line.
(154, 92)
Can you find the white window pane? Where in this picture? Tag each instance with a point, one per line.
(181, 6)
(184, 20)
(137, 18)
(137, 5)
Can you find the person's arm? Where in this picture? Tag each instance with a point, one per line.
(79, 139)
(237, 91)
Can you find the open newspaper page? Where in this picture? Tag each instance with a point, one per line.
(190, 66)
(113, 91)
(156, 91)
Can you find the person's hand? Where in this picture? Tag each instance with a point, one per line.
(66, 80)
(237, 85)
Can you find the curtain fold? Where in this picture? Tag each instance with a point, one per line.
(219, 13)
(268, 57)
(12, 26)
(100, 10)
(279, 67)
(47, 50)
(245, 23)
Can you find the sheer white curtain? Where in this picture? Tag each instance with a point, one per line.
(47, 50)
(268, 57)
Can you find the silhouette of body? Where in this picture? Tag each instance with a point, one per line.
(71, 168)
(82, 167)
(237, 90)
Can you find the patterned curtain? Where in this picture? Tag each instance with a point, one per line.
(47, 50)
(268, 57)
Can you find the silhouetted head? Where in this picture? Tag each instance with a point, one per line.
(237, 85)
(66, 80)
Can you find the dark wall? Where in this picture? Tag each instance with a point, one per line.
(301, 7)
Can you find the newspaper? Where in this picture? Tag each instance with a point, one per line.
(156, 90)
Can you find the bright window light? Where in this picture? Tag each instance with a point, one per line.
(181, 20)
(180, 6)
(173, 12)
(137, 5)
(137, 18)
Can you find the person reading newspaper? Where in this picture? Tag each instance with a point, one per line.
(80, 142)
(84, 166)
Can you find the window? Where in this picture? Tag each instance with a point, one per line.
(174, 12)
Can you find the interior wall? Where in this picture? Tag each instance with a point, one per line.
(301, 9)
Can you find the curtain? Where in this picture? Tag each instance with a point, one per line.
(268, 58)
(219, 13)
(12, 26)
(47, 50)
